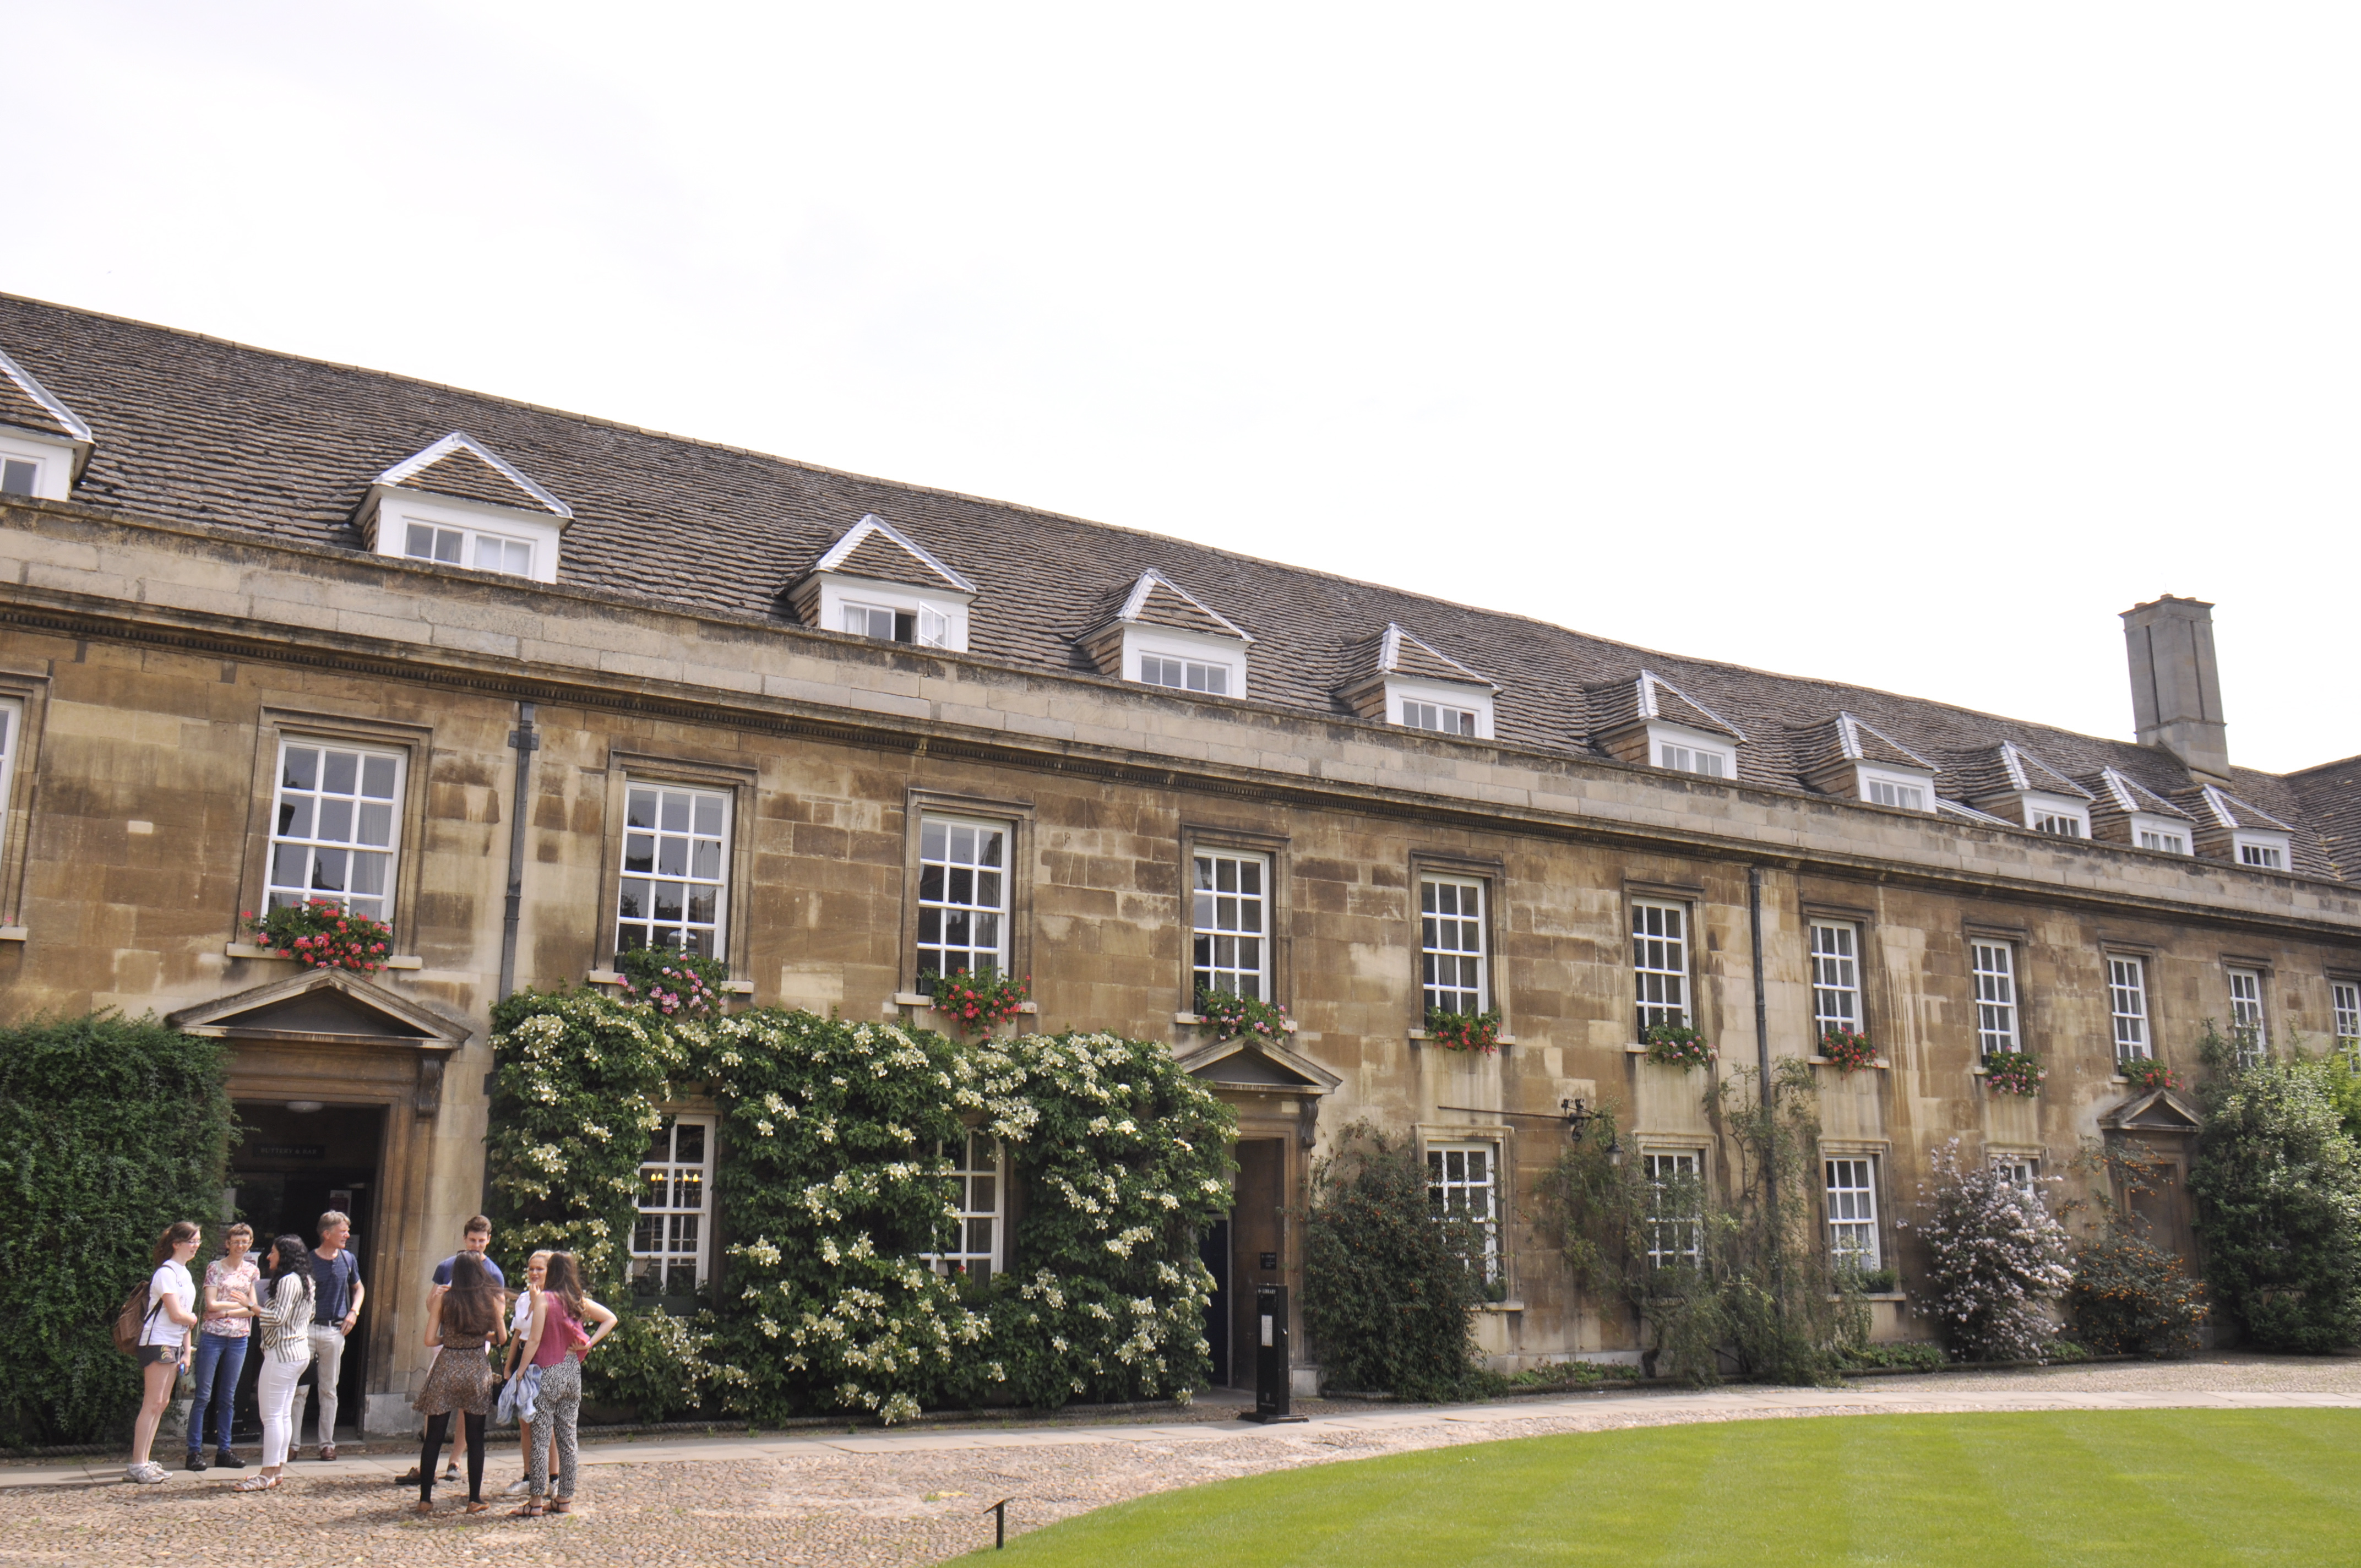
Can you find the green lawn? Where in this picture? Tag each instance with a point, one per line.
(2155, 1489)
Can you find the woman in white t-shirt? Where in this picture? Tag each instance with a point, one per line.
(164, 1342)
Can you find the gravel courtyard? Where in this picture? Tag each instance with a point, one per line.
(878, 1498)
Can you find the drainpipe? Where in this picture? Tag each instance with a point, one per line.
(1762, 1058)
(526, 744)
(1761, 1006)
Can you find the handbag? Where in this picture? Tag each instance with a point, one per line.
(518, 1396)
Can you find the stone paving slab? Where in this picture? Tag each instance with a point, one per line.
(871, 1499)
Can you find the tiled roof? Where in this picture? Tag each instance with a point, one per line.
(2119, 795)
(194, 430)
(2214, 807)
(1646, 697)
(1842, 738)
(1396, 653)
(876, 549)
(1155, 600)
(456, 465)
(2329, 797)
(1987, 773)
(28, 405)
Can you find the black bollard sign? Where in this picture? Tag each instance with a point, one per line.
(1271, 1355)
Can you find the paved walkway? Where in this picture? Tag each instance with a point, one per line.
(909, 1497)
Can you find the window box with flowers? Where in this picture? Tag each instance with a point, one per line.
(2013, 1072)
(1678, 1044)
(974, 1003)
(677, 984)
(1229, 1015)
(1846, 1050)
(2146, 1073)
(1472, 1032)
(320, 934)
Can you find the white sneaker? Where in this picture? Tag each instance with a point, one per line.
(520, 1487)
(148, 1474)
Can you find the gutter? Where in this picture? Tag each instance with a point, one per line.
(526, 742)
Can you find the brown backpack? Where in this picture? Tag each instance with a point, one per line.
(130, 1319)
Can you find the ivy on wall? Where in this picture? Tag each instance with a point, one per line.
(833, 1180)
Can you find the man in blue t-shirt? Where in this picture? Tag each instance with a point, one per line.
(337, 1306)
(474, 1237)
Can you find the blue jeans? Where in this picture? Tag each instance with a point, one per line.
(221, 1355)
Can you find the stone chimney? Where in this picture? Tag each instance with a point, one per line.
(2176, 690)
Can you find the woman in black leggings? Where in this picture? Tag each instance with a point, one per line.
(459, 1325)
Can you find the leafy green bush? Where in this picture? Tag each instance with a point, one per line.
(1915, 1357)
(2129, 1296)
(110, 1130)
(1388, 1289)
(2278, 1184)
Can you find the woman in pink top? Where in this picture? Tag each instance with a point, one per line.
(222, 1338)
(556, 1344)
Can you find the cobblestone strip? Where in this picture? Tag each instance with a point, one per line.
(891, 1500)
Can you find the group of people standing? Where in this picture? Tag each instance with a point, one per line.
(305, 1300)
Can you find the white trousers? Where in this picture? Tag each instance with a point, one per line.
(277, 1396)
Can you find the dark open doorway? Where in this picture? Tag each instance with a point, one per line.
(1255, 1245)
(289, 1167)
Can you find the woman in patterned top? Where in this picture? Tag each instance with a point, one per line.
(460, 1322)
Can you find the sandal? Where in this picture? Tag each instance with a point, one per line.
(257, 1484)
(476, 1506)
(562, 1506)
(422, 1506)
(532, 1510)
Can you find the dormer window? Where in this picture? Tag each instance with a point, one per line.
(925, 626)
(2264, 851)
(1439, 718)
(43, 444)
(2059, 825)
(1184, 674)
(2169, 841)
(1885, 789)
(459, 503)
(877, 582)
(1160, 634)
(1394, 678)
(1710, 761)
(468, 547)
(1651, 721)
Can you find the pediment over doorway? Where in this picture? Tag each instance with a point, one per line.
(1242, 1063)
(325, 1007)
(2154, 1110)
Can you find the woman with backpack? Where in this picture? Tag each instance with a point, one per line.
(461, 1323)
(556, 1344)
(284, 1315)
(163, 1348)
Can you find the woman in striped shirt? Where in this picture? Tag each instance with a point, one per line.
(284, 1313)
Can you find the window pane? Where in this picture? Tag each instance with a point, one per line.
(419, 542)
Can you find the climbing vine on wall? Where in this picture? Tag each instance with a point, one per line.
(833, 1182)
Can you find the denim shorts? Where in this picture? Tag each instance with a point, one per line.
(155, 1354)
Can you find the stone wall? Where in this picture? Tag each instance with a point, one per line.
(167, 660)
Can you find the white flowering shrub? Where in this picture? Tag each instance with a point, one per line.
(572, 1107)
(1998, 1260)
(832, 1186)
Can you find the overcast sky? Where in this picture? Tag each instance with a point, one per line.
(1904, 345)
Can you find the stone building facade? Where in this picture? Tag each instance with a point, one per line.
(840, 731)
